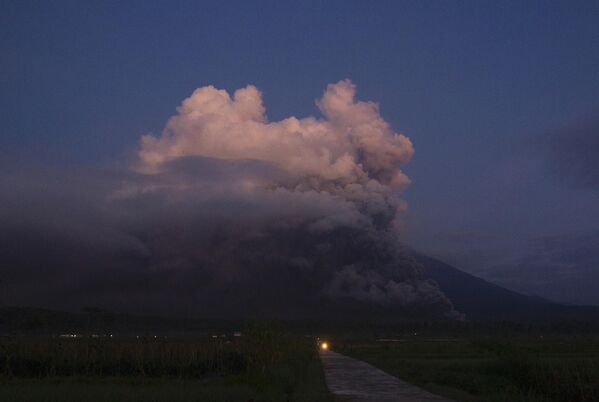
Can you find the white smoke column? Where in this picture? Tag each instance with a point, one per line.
(353, 144)
(228, 215)
(327, 220)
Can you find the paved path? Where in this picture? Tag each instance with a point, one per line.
(352, 380)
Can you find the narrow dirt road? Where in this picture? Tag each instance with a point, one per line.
(353, 380)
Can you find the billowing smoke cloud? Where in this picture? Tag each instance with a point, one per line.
(225, 213)
(353, 145)
(352, 154)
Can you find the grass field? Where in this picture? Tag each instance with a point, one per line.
(531, 369)
(264, 365)
(271, 365)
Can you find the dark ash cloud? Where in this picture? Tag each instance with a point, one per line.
(228, 227)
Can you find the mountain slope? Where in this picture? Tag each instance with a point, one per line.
(482, 300)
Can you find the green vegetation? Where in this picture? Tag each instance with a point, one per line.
(502, 362)
(531, 369)
(266, 364)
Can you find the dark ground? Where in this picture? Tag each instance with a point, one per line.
(182, 360)
(490, 368)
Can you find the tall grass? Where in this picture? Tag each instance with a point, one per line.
(265, 364)
(553, 377)
(262, 347)
(531, 369)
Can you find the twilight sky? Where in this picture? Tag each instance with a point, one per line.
(500, 101)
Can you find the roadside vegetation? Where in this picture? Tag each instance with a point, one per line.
(518, 368)
(264, 364)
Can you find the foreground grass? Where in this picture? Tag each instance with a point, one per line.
(284, 383)
(266, 365)
(113, 390)
(491, 369)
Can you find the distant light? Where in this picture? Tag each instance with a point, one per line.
(324, 346)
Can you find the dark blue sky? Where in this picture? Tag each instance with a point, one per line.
(480, 87)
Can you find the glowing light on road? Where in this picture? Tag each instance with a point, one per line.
(324, 346)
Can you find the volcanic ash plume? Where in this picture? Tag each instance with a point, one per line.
(277, 216)
(353, 145)
(226, 214)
